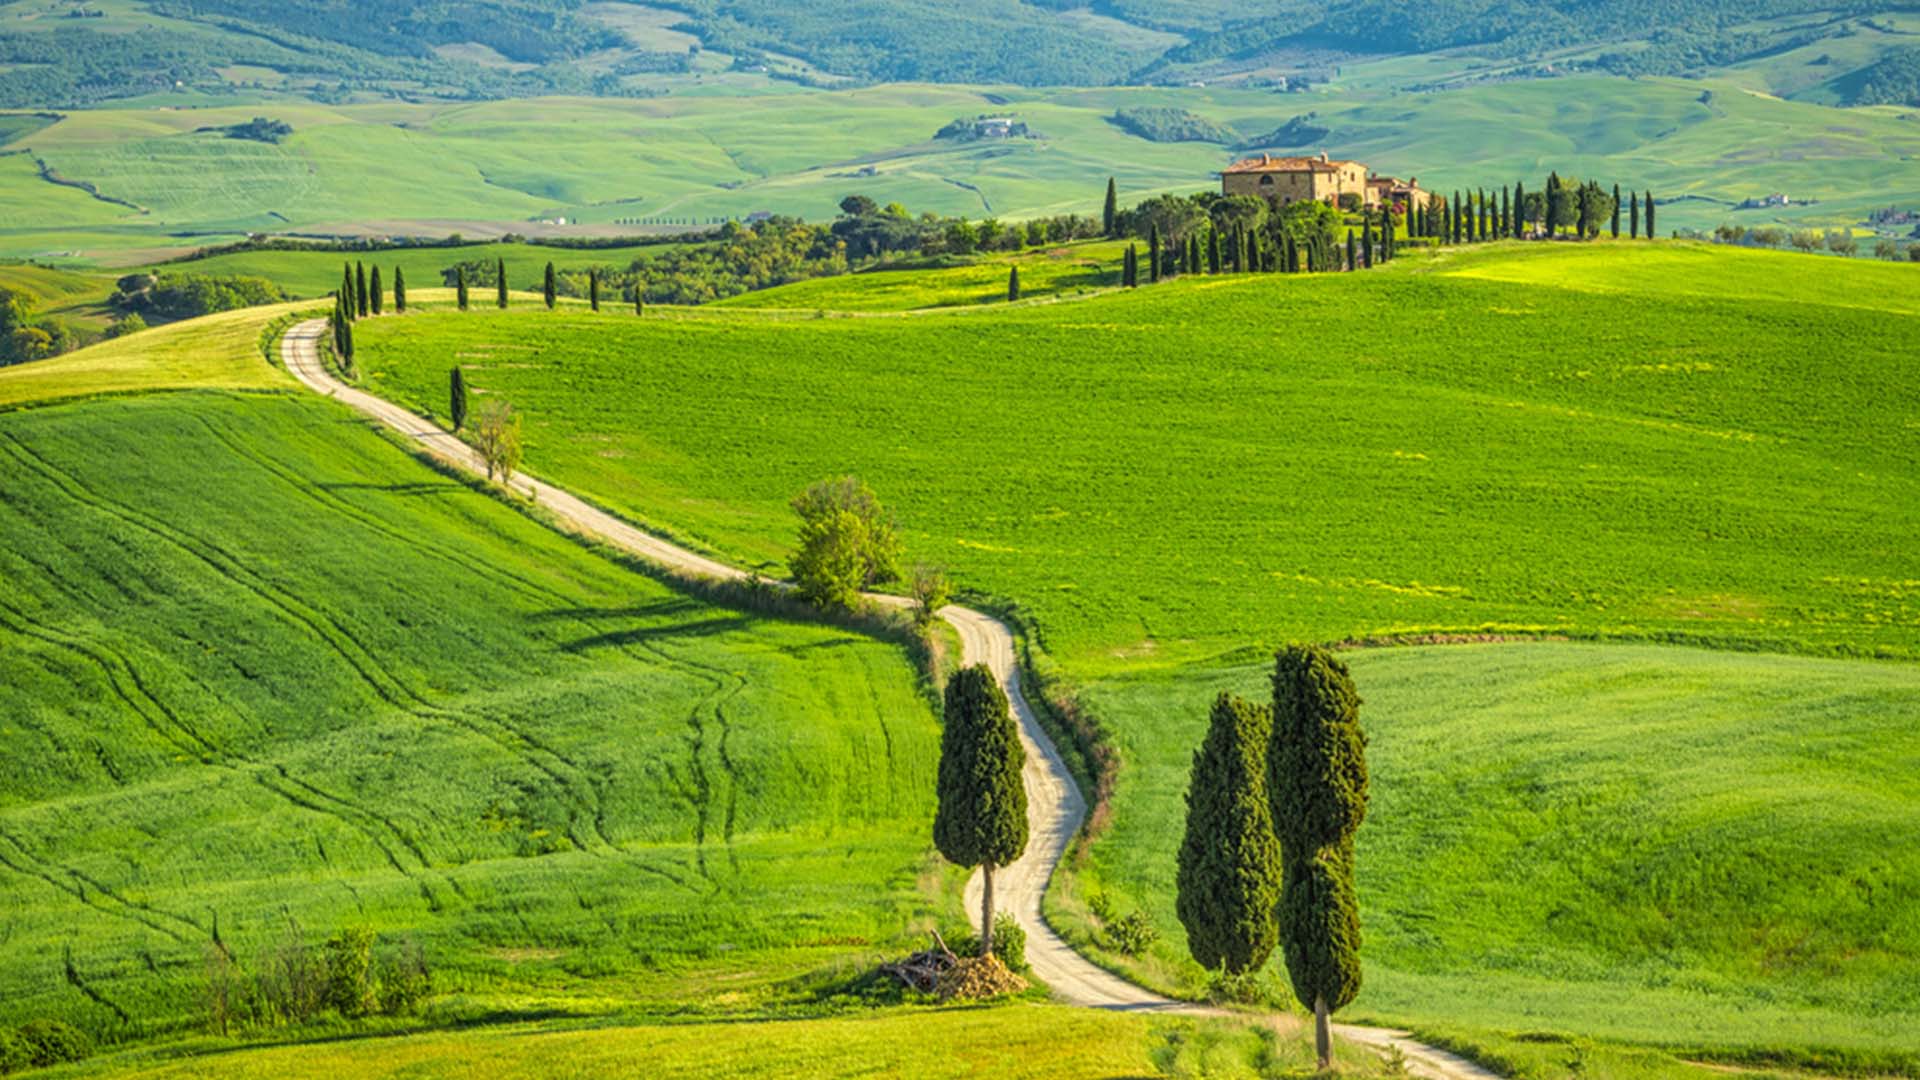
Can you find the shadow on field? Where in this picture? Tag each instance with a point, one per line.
(414, 488)
(643, 634)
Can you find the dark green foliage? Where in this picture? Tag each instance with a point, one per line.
(1317, 780)
(1013, 284)
(1353, 252)
(352, 989)
(500, 283)
(1213, 251)
(259, 129)
(1110, 213)
(1366, 243)
(1650, 229)
(593, 289)
(15, 1054)
(1894, 79)
(1228, 879)
(639, 301)
(457, 399)
(549, 290)
(1161, 123)
(1132, 934)
(172, 295)
(348, 294)
(1253, 252)
(1519, 213)
(1009, 941)
(400, 291)
(982, 815)
(460, 288)
(53, 1042)
(374, 296)
(1130, 267)
(848, 542)
(1153, 254)
(1633, 209)
(361, 306)
(1616, 211)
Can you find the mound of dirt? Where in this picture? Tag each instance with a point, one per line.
(977, 977)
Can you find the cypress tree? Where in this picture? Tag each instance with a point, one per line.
(1193, 254)
(1634, 221)
(1110, 214)
(346, 346)
(360, 289)
(1127, 276)
(1366, 240)
(1153, 255)
(1585, 210)
(981, 819)
(460, 286)
(1213, 251)
(399, 291)
(593, 289)
(549, 288)
(1293, 256)
(1650, 232)
(334, 324)
(1228, 876)
(1556, 202)
(1616, 211)
(347, 292)
(457, 399)
(639, 299)
(1013, 284)
(1459, 219)
(1386, 234)
(1253, 251)
(1317, 781)
(1353, 252)
(374, 284)
(500, 275)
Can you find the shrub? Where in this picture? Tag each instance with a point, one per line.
(351, 986)
(931, 592)
(404, 979)
(51, 1042)
(15, 1054)
(1009, 942)
(1132, 934)
(848, 542)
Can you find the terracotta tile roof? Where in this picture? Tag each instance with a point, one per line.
(1268, 163)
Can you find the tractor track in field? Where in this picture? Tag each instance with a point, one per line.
(1055, 805)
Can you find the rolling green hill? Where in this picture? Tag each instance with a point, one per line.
(1655, 443)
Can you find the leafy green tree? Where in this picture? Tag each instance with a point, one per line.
(497, 438)
(549, 288)
(1616, 211)
(460, 287)
(1317, 781)
(361, 305)
(848, 542)
(1229, 876)
(981, 819)
(1013, 284)
(500, 284)
(1110, 213)
(457, 399)
(399, 291)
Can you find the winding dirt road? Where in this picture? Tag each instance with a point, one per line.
(1055, 806)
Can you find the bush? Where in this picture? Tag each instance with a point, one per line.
(15, 1054)
(1009, 942)
(351, 986)
(404, 979)
(1132, 934)
(51, 1042)
(185, 296)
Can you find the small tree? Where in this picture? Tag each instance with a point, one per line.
(848, 542)
(1013, 284)
(593, 289)
(981, 819)
(1110, 214)
(1885, 248)
(500, 283)
(639, 299)
(1228, 876)
(460, 286)
(549, 288)
(374, 285)
(497, 438)
(399, 291)
(931, 591)
(1317, 780)
(457, 399)
(360, 290)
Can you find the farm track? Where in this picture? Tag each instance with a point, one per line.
(1055, 805)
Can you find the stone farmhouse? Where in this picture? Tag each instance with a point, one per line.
(1291, 179)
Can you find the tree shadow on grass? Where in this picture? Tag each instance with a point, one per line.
(670, 632)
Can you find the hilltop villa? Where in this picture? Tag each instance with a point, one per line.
(1290, 179)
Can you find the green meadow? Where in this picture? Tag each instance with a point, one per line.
(1691, 851)
(730, 150)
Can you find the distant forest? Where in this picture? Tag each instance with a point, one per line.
(560, 46)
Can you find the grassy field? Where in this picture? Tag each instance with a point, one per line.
(222, 351)
(1167, 474)
(719, 151)
(317, 273)
(1629, 842)
(1044, 274)
(1673, 847)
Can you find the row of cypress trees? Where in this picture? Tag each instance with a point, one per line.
(549, 288)
(1243, 250)
(1276, 794)
(1476, 216)
(360, 296)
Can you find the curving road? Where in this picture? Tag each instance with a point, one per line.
(1055, 806)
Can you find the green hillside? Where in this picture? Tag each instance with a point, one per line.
(1164, 474)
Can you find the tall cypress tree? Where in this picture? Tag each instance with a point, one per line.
(1128, 277)
(1253, 251)
(1616, 211)
(500, 276)
(1228, 876)
(1213, 251)
(360, 289)
(1366, 240)
(981, 819)
(639, 298)
(1585, 212)
(1556, 204)
(1317, 781)
(374, 284)
(593, 289)
(1650, 232)
(1193, 254)
(1353, 252)
(399, 291)
(460, 286)
(549, 288)
(1386, 234)
(457, 399)
(1013, 284)
(1153, 255)
(1110, 213)
(349, 296)
(346, 347)
(1519, 209)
